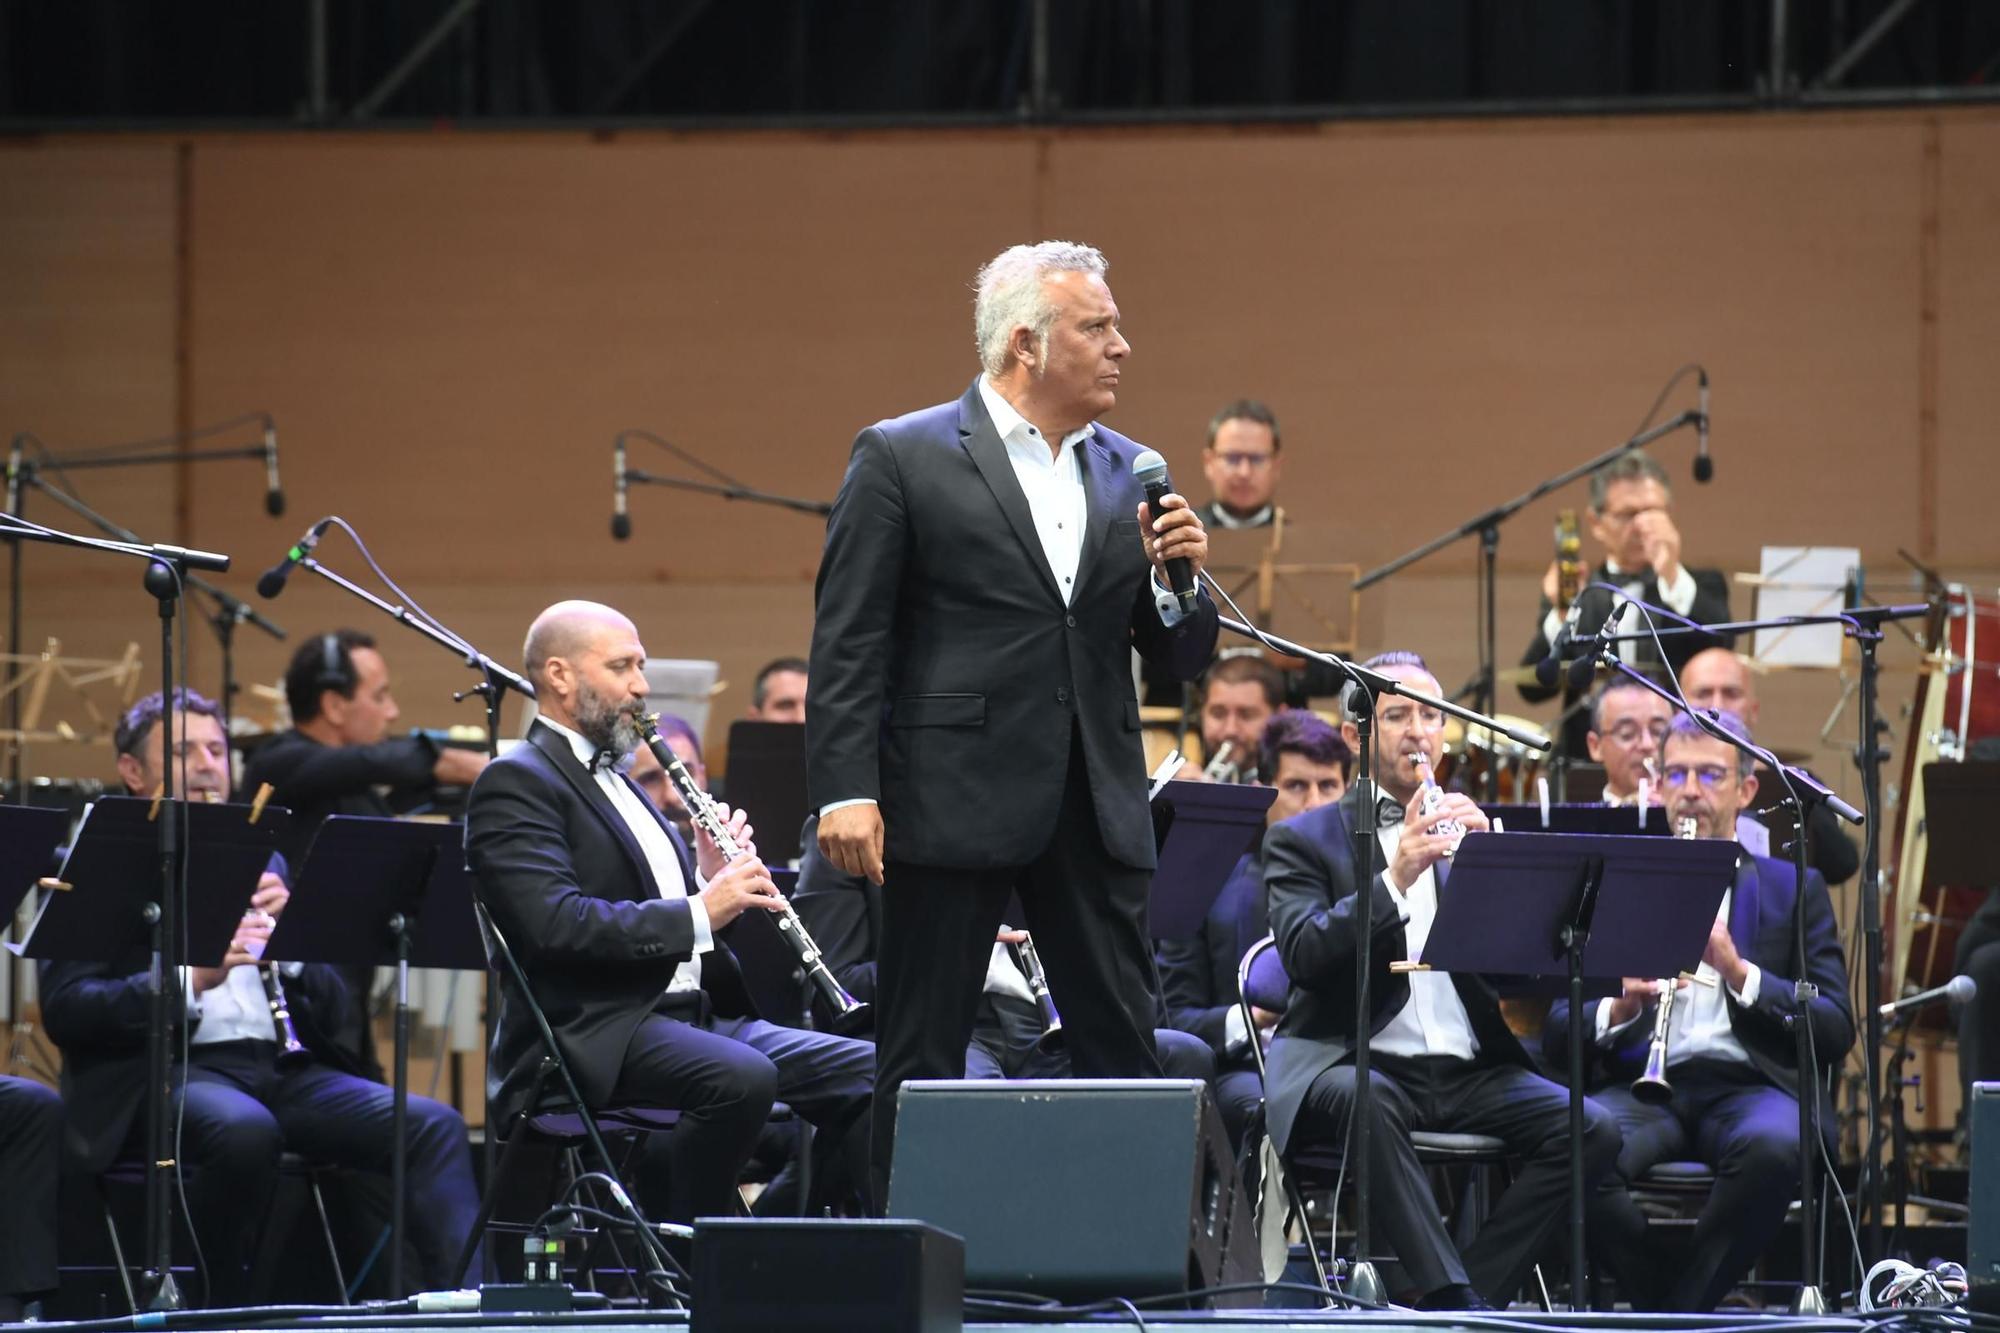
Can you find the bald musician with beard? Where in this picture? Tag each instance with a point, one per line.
(614, 924)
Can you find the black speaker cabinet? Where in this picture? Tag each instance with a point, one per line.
(1076, 1189)
(826, 1275)
(1982, 1234)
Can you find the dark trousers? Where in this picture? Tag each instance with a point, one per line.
(723, 1075)
(242, 1111)
(1728, 1116)
(1088, 915)
(1506, 1101)
(30, 1140)
(1013, 1049)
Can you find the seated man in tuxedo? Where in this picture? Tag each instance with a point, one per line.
(779, 693)
(1718, 678)
(1241, 462)
(1240, 693)
(1642, 554)
(1627, 724)
(843, 913)
(1310, 765)
(339, 759)
(615, 925)
(1443, 1057)
(242, 1105)
(30, 1147)
(1731, 1060)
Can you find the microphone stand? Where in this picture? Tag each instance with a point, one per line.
(1364, 1282)
(1487, 527)
(730, 491)
(166, 567)
(495, 681)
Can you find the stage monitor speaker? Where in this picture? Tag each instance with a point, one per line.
(1982, 1233)
(826, 1275)
(1076, 1189)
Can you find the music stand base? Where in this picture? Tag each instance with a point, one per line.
(1364, 1283)
(166, 1295)
(1809, 1301)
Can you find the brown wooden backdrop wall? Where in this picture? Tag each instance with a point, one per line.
(450, 328)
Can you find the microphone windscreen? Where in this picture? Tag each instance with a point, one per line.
(1548, 671)
(273, 581)
(621, 526)
(274, 503)
(1149, 467)
(1704, 467)
(1961, 988)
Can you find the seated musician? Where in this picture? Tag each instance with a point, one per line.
(1731, 1061)
(336, 760)
(779, 692)
(1443, 1057)
(30, 1146)
(1240, 693)
(1718, 678)
(614, 924)
(243, 1106)
(1642, 554)
(1310, 765)
(1627, 724)
(844, 915)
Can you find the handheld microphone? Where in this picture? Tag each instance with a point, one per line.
(14, 476)
(1958, 990)
(1703, 467)
(621, 522)
(1150, 471)
(274, 494)
(272, 582)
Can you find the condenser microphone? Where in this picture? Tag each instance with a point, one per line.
(1958, 990)
(274, 493)
(621, 522)
(1704, 468)
(272, 581)
(1150, 471)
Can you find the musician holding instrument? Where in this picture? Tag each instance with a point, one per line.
(1239, 695)
(614, 924)
(1729, 1062)
(1627, 724)
(1442, 1055)
(264, 1075)
(1630, 519)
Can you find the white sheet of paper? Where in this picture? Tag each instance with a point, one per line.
(1803, 581)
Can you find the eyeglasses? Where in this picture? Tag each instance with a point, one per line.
(1620, 517)
(1253, 462)
(1628, 732)
(1708, 775)
(1427, 719)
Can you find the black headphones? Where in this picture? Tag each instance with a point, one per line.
(336, 668)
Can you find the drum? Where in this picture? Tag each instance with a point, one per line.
(1476, 750)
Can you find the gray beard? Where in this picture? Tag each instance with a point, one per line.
(607, 724)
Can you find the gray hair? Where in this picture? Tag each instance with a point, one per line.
(1632, 465)
(1010, 295)
(1685, 727)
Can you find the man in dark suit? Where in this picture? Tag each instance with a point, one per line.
(615, 927)
(1310, 765)
(1731, 1062)
(1241, 462)
(1442, 1055)
(1642, 554)
(30, 1146)
(339, 759)
(243, 1105)
(972, 729)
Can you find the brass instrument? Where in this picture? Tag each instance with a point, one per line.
(1433, 802)
(1569, 560)
(1220, 769)
(1038, 986)
(850, 1014)
(1651, 1087)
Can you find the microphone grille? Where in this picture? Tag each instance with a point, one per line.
(1961, 988)
(1149, 467)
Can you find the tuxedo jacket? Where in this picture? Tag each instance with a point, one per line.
(1198, 974)
(563, 878)
(1760, 922)
(1310, 891)
(947, 672)
(98, 1015)
(1711, 606)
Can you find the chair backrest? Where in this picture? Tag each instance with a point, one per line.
(1261, 978)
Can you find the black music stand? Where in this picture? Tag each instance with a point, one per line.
(29, 836)
(772, 974)
(1588, 909)
(767, 777)
(1202, 830)
(1571, 818)
(356, 903)
(1959, 799)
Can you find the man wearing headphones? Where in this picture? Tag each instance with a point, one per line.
(338, 759)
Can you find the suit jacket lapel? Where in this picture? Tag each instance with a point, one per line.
(989, 455)
(1100, 490)
(556, 748)
(1744, 905)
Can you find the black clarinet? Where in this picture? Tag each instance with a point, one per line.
(850, 1014)
(291, 1051)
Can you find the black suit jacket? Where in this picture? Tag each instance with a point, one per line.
(947, 673)
(1760, 922)
(1309, 889)
(567, 884)
(1711, 606)
(314, 780)
(1198, 975)
(98, 1014)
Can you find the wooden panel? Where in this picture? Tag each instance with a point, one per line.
(1969, 344)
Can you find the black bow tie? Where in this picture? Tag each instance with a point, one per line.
(604, 761)
(1387, 813)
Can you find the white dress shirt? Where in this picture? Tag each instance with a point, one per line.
(633, 808)
(1700, 1027)
(1433, 1021)
(237, 1010)
(1677, 596)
